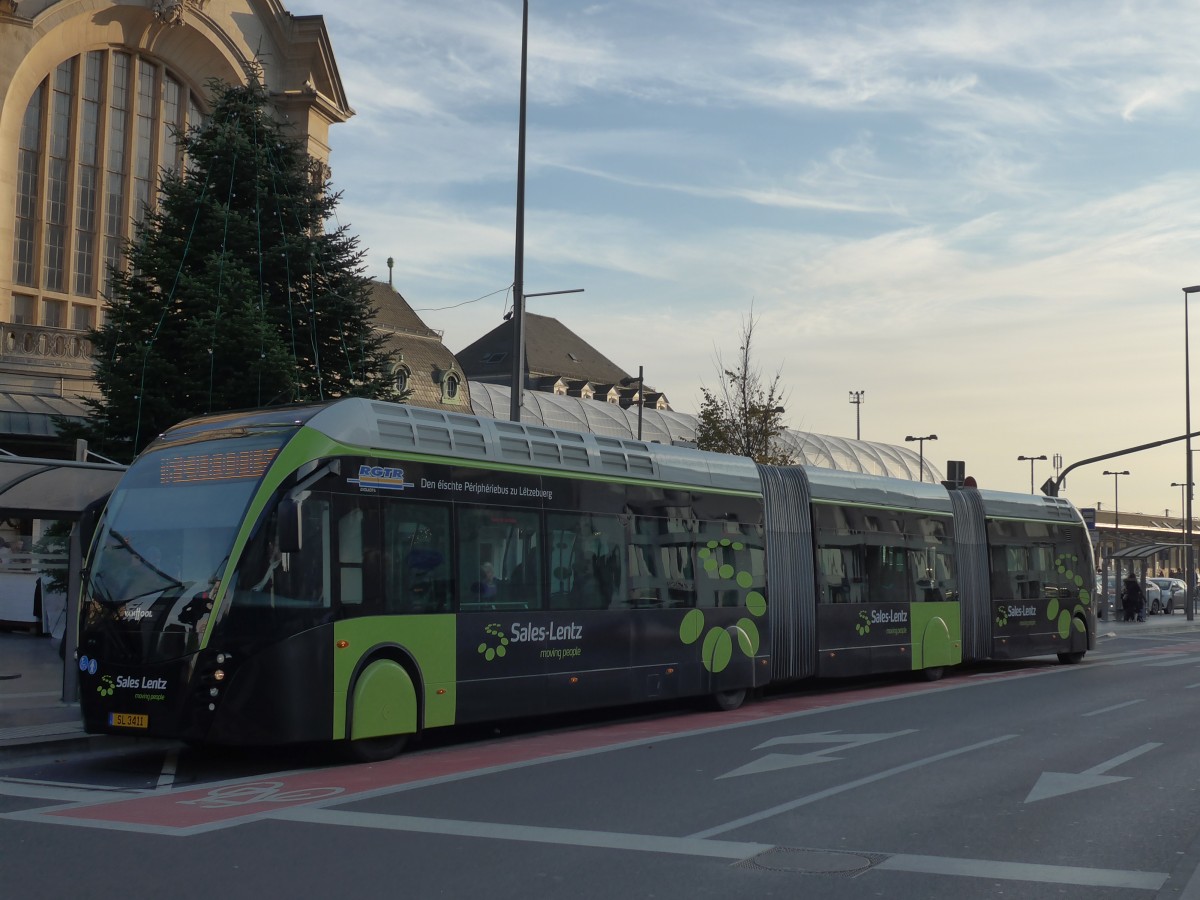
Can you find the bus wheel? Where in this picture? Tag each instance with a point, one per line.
(1071, 658)
(374, 749)
(728, 700)
(934, 673)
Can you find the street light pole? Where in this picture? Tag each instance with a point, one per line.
(1189, 479)
(518, 344)
(921, 444)
(641, 399)
(1116, 501)
(1032, 460)
(1182, 502)
(858, 398)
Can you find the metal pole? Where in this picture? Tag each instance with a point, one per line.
(641, 400)
(1032, 460)
(857, 398)
(1189, 480)
(1116, 500)
(921, 444)
(518, 319)
(1182, 503)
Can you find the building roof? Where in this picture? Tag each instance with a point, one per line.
(551, 350)
(421, 350)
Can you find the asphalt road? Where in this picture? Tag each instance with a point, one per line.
(1029, 780)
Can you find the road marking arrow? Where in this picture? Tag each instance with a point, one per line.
(773, 762)
(1055, 784)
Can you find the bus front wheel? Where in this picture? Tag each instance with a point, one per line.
(1071, 658)
(375, 749)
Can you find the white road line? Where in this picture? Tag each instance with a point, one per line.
(531, 833)
(739, 850)
(65, 794)
(1143, 658)
(1010, 871)
(1186, 659)
(1108, 709)
(842, 788)
(1120, 760)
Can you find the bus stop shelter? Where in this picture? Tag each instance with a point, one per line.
(58, 489)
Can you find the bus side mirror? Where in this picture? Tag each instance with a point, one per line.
(287, 529)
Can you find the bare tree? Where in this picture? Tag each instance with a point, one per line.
(745, 416)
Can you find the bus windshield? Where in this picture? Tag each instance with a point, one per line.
(165, 539)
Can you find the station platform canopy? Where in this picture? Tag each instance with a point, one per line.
(670, 427)
(1144, 551)
(53, 488)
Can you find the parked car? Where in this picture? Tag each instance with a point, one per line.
(1174, 591)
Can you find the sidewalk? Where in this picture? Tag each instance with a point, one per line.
(34, 719)
(32, 713)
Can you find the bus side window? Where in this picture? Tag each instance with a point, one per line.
(499, 559)
(350, 559)
(415, 557)
(587, 561)
(310, 568)
(649, 552)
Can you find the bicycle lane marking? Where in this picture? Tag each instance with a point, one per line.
(188, 811)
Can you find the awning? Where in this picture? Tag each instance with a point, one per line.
(33, 414)
(53, 488)
(1145, 551)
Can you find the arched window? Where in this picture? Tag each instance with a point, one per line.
(451, 387)
(402, 378)
(95, 135)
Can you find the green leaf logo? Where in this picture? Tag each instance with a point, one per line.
(863, 627)
(716, 650)
(495, 644)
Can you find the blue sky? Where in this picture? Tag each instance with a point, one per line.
(981, 214)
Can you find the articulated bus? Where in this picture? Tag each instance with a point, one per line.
(360, 571)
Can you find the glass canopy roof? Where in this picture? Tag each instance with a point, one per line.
(670, 427)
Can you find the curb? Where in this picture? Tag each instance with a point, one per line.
(33, 746)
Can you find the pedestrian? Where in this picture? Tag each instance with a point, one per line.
(1132, 600)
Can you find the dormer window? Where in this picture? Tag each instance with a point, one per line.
(403, 377)
(451, 387)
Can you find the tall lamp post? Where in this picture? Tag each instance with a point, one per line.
(858, 398)
(1116, 501)
(641, 400)
(518, 329)
(1189, 480)
(921, 444)
(1032, 460)
(1182, 485)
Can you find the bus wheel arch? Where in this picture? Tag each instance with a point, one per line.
(1077, 642)
(384, 706)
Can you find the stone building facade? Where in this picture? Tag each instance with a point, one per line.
(90, 92)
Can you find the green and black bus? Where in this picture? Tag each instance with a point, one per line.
(358, 571)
